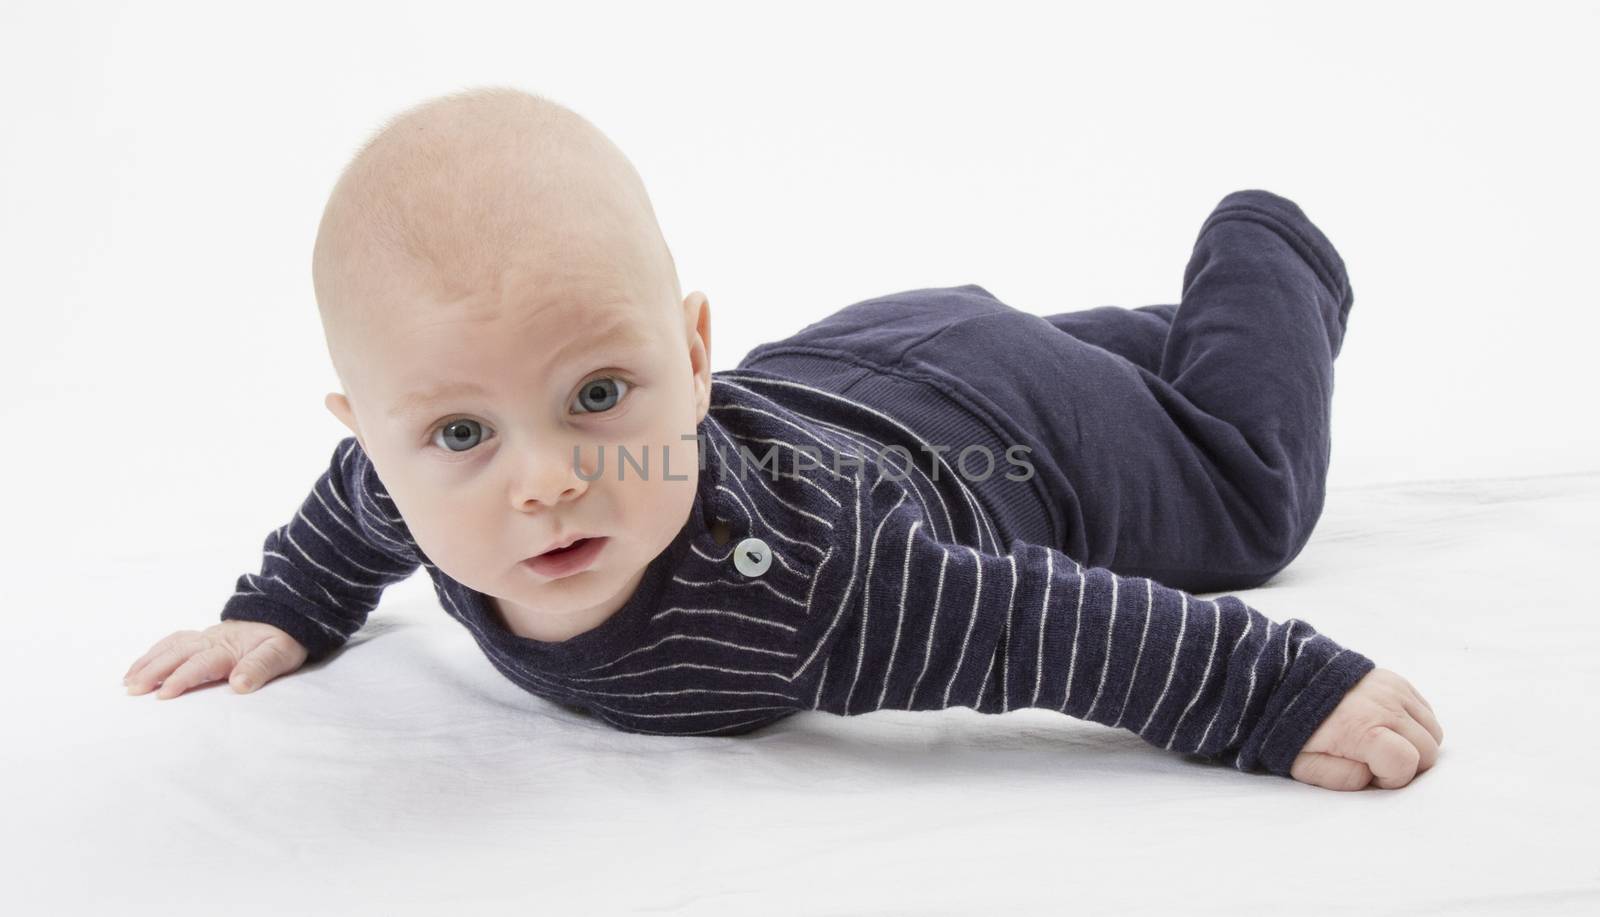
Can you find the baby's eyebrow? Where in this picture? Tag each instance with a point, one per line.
(619, 335)
(416, 401)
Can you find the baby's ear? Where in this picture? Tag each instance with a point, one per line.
(339, 406)
(697, 316)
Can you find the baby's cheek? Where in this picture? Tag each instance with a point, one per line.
(664, 508)
(457, 538)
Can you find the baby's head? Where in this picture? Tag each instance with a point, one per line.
(496, 294)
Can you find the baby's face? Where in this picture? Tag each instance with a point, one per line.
(471, 411)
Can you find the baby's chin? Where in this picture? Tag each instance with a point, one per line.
(541, 608)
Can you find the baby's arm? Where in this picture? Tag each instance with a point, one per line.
(322, 572)
(947, 625)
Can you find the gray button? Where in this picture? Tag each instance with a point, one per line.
(752, 557)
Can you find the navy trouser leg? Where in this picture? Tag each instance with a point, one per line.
(1244, 371)
(1138, 334)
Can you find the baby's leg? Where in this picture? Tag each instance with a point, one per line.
(1138, 334)
(1252, 344)
(1265, 301)
(1195, 438)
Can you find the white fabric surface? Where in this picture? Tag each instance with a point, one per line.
(405, 775)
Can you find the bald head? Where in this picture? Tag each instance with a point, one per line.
(450, 196)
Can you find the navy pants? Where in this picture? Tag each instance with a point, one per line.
(1187, 442)
(1240, 376)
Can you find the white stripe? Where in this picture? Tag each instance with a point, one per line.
(745, 453)
(383, 575)
(737, 583)
(915, 475)
(289, 536)
(809, 433)
(1177, 650)
(762, 477)
(817, 701)
(721, 612)
(1199, 689)
(752, 511)
(977, 595)
(844, 600)
(905, 587)
(721, 692)
(406, 560)
(1249, 696)
(933, 625)
(1133, 677)
(811, 593)
(692, 637)
(767, 528)
(307, 612)
(685, 665)
(1284, 716)
(1077, 631)
(1249, 624)
(1005, 676)
(1111, 630)
(1044, 615)
(866, 599)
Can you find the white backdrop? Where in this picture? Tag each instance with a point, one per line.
(164, 166)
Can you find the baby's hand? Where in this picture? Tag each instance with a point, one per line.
(1382, 731)
(253, 652)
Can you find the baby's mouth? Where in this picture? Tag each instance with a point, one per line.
(574, 543)
(556, 552)
(578, 555)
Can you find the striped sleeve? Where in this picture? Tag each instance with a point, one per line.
(940, 625)
(324, 569)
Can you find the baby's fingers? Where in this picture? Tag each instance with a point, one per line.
(1419, 736)
(160, 646)
(1422, 713)
(210, 664)
(143, 660)
(1391, 757)
(1330, 772)
(165, 656)
(268, 660)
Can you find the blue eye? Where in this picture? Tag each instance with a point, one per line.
(601, 391)
(459, 435)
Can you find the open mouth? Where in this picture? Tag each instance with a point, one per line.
(568, 560)
(556, 552)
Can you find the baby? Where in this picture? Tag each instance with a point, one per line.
(925, 500)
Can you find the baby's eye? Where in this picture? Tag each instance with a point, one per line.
(459, 435)
(599, 395)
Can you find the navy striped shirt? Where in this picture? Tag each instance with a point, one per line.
(890, 586)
